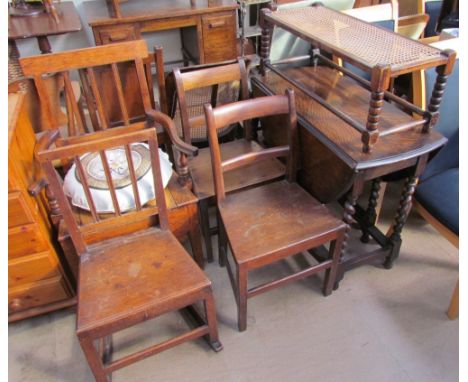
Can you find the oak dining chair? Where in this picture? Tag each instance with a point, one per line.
(270, 222)
(132, 277)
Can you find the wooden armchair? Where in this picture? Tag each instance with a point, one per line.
(231, 78)
(130, 278)
(270, 222)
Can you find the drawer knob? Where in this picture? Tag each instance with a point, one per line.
(15, 304)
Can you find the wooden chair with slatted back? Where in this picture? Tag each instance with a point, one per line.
(116, 86)
(220, 80)
(130, 278)
(267, 223)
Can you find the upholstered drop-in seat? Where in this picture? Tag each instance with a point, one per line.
(439, 195)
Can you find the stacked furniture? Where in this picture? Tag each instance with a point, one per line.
(115, 60)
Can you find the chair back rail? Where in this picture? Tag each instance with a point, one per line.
(115, 82)
(217, 118)
(74, 149)
(185, 81)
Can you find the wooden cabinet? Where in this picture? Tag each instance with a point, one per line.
(37, 282)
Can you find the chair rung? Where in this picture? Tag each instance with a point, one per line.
(295, 276)
(127, 360)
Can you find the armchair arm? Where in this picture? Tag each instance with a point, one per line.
(169, 128)
(46, 140)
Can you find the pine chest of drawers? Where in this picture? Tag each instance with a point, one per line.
(37, 282)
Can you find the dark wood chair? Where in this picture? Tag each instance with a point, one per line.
(273, 221)
(226, 83)
(130, 278)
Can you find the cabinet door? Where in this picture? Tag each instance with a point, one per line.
(219, 37)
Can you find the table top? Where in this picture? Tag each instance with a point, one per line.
(363, 44)
(350, 97)
(43, 24)
(99, 13)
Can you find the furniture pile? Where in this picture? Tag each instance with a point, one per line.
(119, 175)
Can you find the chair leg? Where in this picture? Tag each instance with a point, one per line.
(330, 273)
(105, 348)
(452, 311)
(222, 243)
(195, 243)
(241, 298)
(94, 359)
(210, 312)
(205, 226)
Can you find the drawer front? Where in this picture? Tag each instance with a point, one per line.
(117, 34)
(219, 37)
(37, 294)
(19, 212)
(26, 240)
(28, 269)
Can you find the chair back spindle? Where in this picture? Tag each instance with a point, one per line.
(52, 148)
(213, 83)
(105, 76)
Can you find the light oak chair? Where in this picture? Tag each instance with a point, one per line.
(226, 83)
(132, 277)
(270, 222)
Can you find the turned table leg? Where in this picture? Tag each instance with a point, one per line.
(349, 211)
(371, 213)
(404, 208)
(400, 220)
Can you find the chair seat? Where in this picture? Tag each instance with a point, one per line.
(257, 173)
(439, 196)
(130, 277)
(285, 217)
